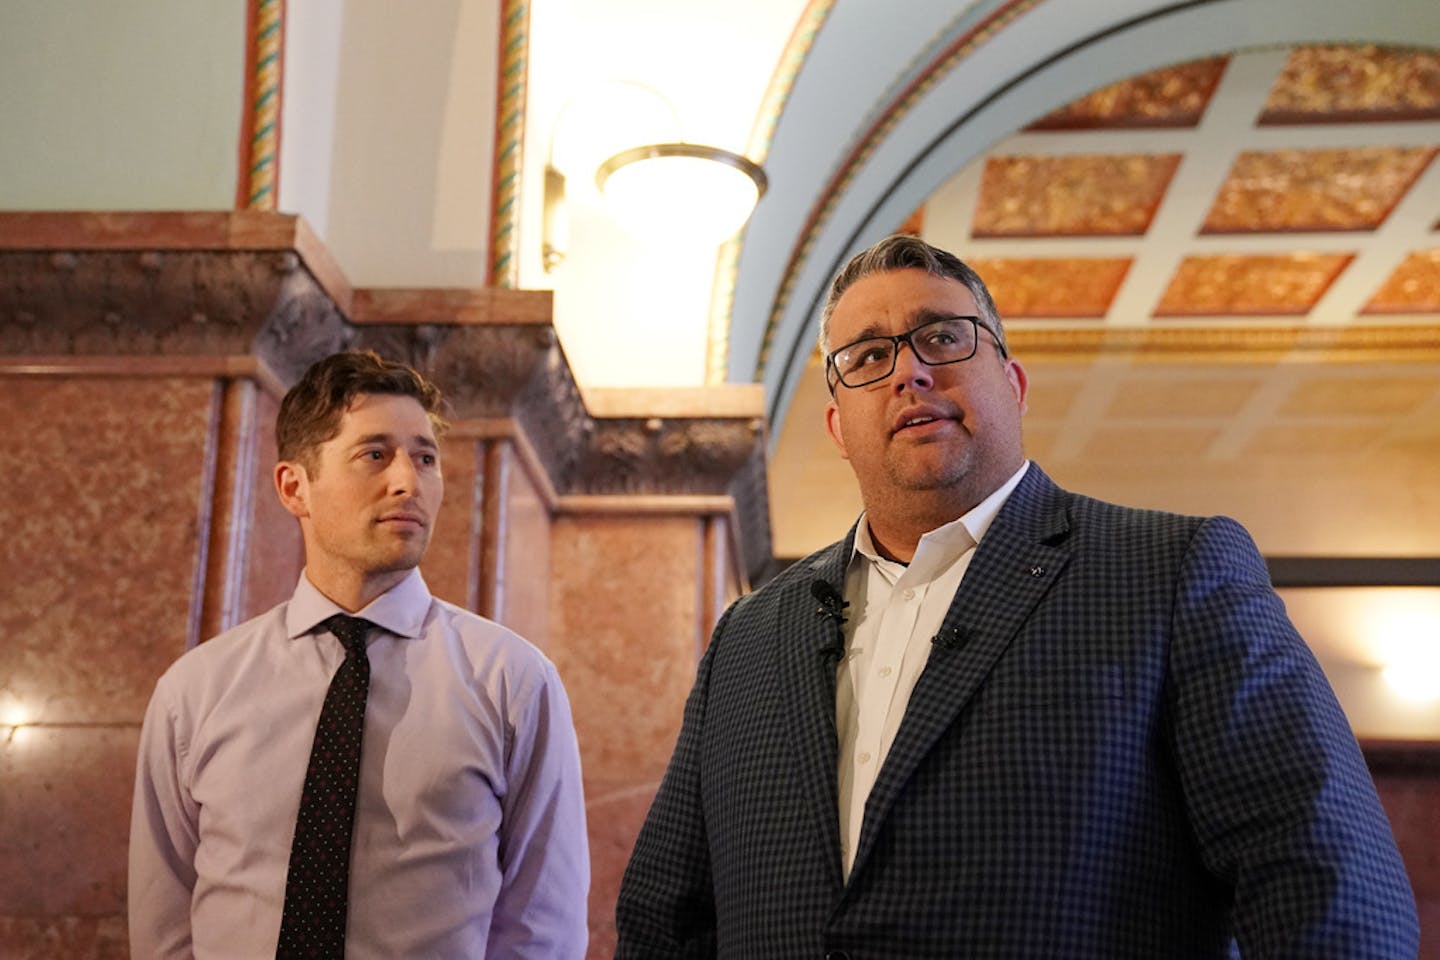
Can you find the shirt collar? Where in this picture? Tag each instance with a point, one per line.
(400, 610)
(950, 539)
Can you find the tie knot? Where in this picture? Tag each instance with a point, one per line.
(350, 631)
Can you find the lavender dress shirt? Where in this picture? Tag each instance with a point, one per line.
(470, 826)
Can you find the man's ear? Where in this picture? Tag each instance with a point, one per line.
(832, 427)
(1019, 382)
(292, 483)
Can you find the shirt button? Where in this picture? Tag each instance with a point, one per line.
(885, 671)
(864, 757)
(908, 594)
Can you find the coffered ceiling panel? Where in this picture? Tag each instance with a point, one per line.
(1285, 190)
(1414, 287)
(1217, 313)
(1329, 84)
(1071, 195)
(1173, 97)
(1060, 287)
(1250, 285)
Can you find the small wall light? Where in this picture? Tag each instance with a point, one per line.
(684, 191)
(666, 190)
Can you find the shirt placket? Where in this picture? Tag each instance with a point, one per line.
(897, 625)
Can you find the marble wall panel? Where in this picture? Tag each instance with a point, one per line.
(449, 562)
(97, 574)
(1412, 801)
(525, 568)
(64, 820)
(276, 552)
(625, 634)
(64, 938)
(626, 638)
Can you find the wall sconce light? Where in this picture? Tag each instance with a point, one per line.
(669, 190)
(666, 190)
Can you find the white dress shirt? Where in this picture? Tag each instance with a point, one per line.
(470, 822)
(895, 609)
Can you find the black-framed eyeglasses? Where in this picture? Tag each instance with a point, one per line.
(936, 343)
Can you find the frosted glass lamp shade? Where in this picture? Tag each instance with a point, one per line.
(679, 191)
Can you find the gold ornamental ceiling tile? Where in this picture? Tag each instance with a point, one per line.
(1295, 190)
(1250, 285)
(1414, 287)
(1107, 195)
(1329, 84)
(1059, 287)
(1172, 97)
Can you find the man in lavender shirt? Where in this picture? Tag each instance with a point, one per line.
(469, 837)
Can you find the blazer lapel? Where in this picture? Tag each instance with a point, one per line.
(1018, 559)
(809, 639)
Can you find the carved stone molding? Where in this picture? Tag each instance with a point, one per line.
(218, 285)
(166, 303)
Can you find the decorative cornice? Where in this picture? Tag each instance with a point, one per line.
(123, 291)
(147, 303)
(1237, 343)
(883, 122)
(727, 260)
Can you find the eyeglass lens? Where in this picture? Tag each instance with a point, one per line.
(948, 340)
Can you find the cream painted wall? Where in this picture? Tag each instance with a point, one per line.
(307, 121)
(120, 105)
(632, 311)
(409, 168)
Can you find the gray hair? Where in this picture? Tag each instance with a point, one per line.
(902, 252)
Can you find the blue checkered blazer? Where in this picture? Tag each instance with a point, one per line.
(1127, 752)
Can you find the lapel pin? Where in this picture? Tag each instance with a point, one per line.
(1037, 571)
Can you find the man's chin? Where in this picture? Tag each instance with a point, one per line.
(939, 473)
(398, 561)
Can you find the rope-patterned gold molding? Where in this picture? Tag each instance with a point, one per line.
(262, 173)
(955, 52)
(509, 137)
(727, 261)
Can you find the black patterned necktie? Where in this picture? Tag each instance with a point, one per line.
(317, 887)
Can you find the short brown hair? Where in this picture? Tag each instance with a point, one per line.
(901, 252)
(311, 411)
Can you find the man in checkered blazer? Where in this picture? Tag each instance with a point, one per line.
(1000, 719)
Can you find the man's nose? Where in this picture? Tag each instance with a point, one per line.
(910, 370)
(402, 473)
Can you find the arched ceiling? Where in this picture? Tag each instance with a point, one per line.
(1223, 277)
(887, 109)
